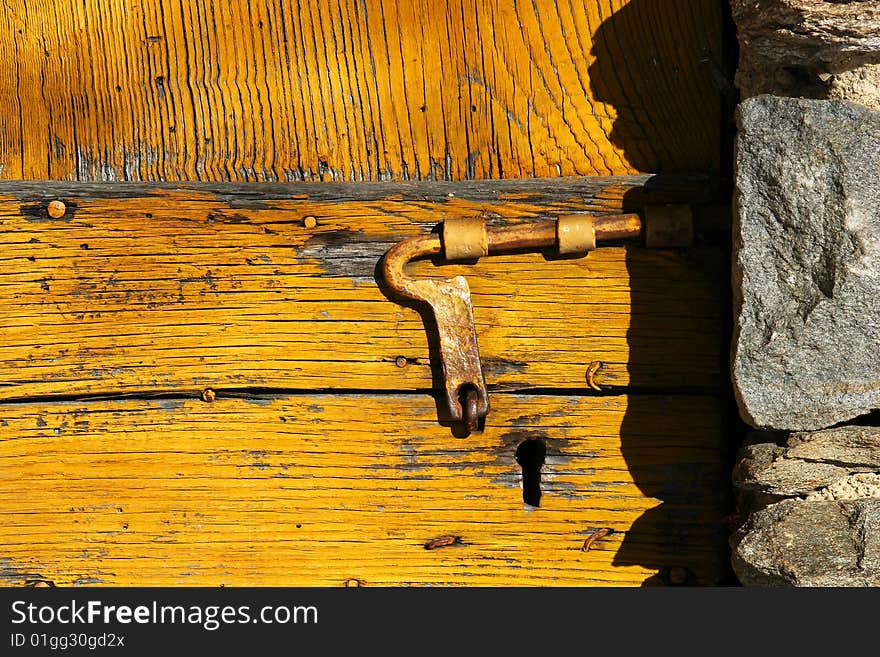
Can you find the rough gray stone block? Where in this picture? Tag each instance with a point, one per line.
(806, 352)
(810, 48)
(810, 463)
(819, 543)
(821, 521)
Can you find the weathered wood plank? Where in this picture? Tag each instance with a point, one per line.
(372, 90)
(149, 289)
(320, 489)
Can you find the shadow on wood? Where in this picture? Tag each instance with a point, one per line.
(654, 61)
(685, 486)
(647, 55)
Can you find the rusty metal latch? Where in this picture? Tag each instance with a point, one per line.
(469, 239)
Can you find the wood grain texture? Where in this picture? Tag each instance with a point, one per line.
(320, 489)
(369, 90)
(151, 290)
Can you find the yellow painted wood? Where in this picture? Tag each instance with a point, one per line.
(164, 292)
(175, 291)
(322, 489)
(443, 89)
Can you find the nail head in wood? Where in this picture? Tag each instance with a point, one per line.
(56, 209)
(310, 222)
(678, 576)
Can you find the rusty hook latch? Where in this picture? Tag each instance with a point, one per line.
(469, 239)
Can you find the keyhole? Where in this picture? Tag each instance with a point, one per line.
(530, 456)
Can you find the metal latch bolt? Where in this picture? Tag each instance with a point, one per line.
(469, 239)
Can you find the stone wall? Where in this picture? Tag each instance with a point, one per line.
(806, 349)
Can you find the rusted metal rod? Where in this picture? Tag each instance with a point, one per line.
(543, 234)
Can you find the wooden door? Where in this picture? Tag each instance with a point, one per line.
(203, 381)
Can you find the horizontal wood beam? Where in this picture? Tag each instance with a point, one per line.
(323, 489)
(155, 289)
(369, 90)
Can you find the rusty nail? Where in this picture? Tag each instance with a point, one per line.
(592, 369)
(56, 209)
(595, 536)
(678, 575)
(442, 541)
(208, 395)
(310, 221)
(352, 583)
(401, 361)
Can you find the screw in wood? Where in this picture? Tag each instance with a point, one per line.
(310, 221)
(352, 583)
(56, 209)
(208, 395)
(400, 361)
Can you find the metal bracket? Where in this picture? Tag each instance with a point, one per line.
(468, 239)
